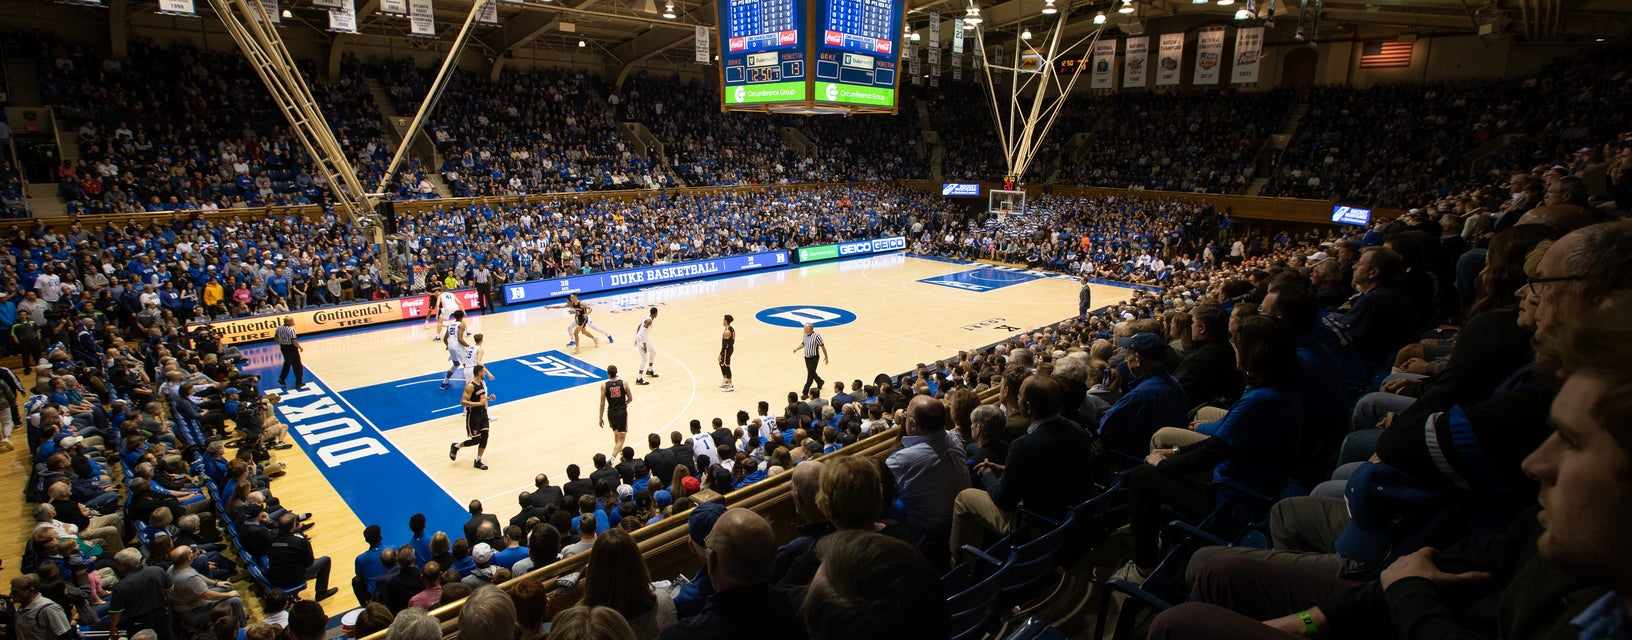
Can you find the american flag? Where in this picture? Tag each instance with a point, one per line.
(1385, 55)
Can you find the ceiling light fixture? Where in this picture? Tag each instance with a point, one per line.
(668, 11)
(1225, 3)
(1100, 18)
(1127, 7)
(972, 17)
(1025, 35)
(1242, 14)
(288, 14)
(916, 37)
(1048, 8)
(582, 44)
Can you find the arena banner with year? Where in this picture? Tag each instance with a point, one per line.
(323, 319)
(821, 252)
(626, 278)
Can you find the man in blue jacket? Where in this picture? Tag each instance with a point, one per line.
(1154, 399)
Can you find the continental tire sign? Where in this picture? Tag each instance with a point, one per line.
(323, 319)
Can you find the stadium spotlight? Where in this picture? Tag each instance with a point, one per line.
(1100, 18)
(1048, 8)
(1242, 14)
(668, 11)
(971, 16)
(1127, 7)
(1025, 35)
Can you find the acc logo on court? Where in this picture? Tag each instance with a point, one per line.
(798, 316)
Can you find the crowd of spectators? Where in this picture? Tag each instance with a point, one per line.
(537, 131)
(1200, 142)
(155, 134)
(706, 147)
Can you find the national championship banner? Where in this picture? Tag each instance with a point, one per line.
(957, 37)
(343, 19)
(323, 319)
(177, 8)
(1249, 50)
(700, 45)
(1209, 56)
(1168, 57)
(272, 11)
(394, 7)
(1133, 62)
(421, 19)
(1104, 65)
(489, 13)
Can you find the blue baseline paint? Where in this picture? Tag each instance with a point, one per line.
(355, 457)
(796, 316)
(410, 401)
(985, 278)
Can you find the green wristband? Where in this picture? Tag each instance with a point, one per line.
(1309, 624)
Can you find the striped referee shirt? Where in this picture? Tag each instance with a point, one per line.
(285, 336)
(812, 342)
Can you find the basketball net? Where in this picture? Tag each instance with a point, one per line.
(1034, 78)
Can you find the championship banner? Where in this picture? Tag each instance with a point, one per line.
(1249, 49)
(1168, 57)
(934, 55)
(1133, 62)
(935, 75)
(1209, 56)
(700, 45)
(421, 20)
(177, 8)
(324, 319)
(957, 37)
(272, 11)
(343, 19)
(1104, 65)
(326, 4)
(394, 7)
(489, 13)
(935, 28)
(957, 68)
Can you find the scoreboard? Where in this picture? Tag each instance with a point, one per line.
(810, 56)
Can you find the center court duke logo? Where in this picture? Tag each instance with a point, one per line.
(797, 316)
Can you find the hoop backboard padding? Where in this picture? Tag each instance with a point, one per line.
(1004, 202)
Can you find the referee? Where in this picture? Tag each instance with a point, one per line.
(811, 343)
(290, 346)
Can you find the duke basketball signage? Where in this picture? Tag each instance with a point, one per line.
(799, 316)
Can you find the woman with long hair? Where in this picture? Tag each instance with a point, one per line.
(616, 577)
(1255, 444)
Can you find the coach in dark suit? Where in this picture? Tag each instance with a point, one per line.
(544, 493)
(659, 461)
(575, 485)
(476, 520)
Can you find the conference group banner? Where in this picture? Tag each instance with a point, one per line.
(394, 7)
(177, 8)
(489, 13)
(1133, 62)
(1249, 49)
(1209, 56)
(643, 276)
(1168, 57)
(421, 18)
(323, 319)
(343, 19)
(1104, 65)
(700, 46)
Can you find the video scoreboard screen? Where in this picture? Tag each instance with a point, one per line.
(857, 56)
(763, 51)
(768, 49)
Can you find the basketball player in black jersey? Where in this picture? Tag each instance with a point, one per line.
(615, 399)
(728, 343)
(475, 400)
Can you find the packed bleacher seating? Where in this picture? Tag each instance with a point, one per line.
(565, 140)
(866, 148)
(706, 147)
(1323, 409)
(1201, 142)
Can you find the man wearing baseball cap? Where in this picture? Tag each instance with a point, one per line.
(689, 600)
(1154, 398)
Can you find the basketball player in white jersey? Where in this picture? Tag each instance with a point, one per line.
(459, 351)
(446, 303)
(643, 344)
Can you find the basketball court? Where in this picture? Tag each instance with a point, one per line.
(374, 427)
